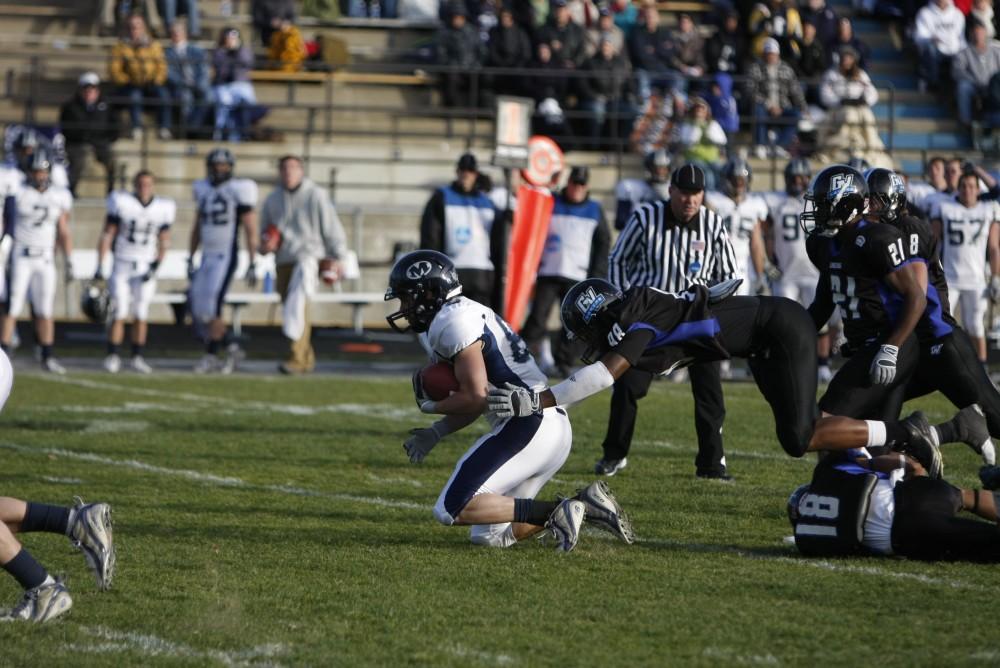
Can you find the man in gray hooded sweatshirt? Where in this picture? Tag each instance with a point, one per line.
(300, 225)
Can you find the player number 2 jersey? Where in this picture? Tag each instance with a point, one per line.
(462, 323)
(139, 225)
(36, 215)
(964, 233)
(219, 209)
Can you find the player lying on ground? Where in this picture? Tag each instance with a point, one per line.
(888, 505)
(88, 526)
(660, 332)
(494, 484)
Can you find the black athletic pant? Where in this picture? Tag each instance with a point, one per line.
(926, 525)
(477, 285)
(709, 414)
(77, 156)
(549, 291)
(851, 393)
(951, 366)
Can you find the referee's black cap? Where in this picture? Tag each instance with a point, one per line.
(689, 178)
(467, 163)
(579, 175)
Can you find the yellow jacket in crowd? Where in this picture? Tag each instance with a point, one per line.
(143, 65)
(287, 49)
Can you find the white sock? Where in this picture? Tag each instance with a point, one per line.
(935, 436)
(72, 520)
(876, 433)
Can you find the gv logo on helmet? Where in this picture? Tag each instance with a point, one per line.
(419, 269)
(841, 181)
(588, 303)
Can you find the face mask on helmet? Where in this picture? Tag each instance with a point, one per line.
(423, 282)
(219, 172)
(887, 194)
(834, 200)
(793, 503)
(588, 313)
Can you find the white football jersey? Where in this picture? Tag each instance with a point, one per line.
(740, 219)
(139, 226)
(218, 211)
(964, 233)
(463, 322)
(37, 215)
(918, 194)
(636, 192)
(788, 237)
(10, 179)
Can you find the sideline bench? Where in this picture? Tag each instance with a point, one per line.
(174, 268)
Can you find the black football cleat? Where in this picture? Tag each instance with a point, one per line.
(920, 444)
(971, 429)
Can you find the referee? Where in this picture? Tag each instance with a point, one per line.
(671, 245)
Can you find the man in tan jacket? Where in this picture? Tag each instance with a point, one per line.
(300, 225)
(139, 69)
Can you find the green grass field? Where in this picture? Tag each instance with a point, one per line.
(274, 521)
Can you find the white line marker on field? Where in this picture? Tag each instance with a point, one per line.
(115, 426)
(729, 656)
(464, 652)
(150, 645)
(62, 481)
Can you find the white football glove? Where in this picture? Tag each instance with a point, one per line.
(424, 403)
(421, 442)
(994, 290)
(772, 272)
(512, 401)
(883, 368)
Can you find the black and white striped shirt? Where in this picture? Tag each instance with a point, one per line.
(656, 250)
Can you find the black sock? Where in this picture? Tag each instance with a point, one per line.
(947, 432)
(28, 572)
(137, 349)
(213, 346)
(46, 518)
(823, 361)
(46, 352)
(895, 434)
(112, 348)
(530, 511)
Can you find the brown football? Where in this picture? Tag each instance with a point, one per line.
(438, 380)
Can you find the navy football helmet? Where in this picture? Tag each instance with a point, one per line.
(219, 164)
(797, 175)
(838, 196)
(588, 313)
(888, 189)
(735, 169)
(423, 281)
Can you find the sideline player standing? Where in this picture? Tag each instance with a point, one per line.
(225, 204)
(744, 214)
(137, 233)
(969, 235)
(37, 216)
(630, 193)
(671, 245)
(576, 248)
(494, 484)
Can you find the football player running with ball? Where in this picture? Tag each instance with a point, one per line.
(493, 485)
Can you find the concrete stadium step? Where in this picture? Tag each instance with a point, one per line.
(942, 141)
(913, 111)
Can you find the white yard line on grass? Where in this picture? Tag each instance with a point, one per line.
(116, 642)
(115, 426)
(463, 652)
(62, 481)
(729, 656)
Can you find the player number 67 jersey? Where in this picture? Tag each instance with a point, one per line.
(139, 226)
(219, 210)
(37, 215)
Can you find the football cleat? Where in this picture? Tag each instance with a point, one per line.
(564, 523)
(609, 467)
(139, 365)
(41, 604)
(52, 365)
(920, 444)
(971, 429)
(207, 364)
(91, 534)
(234, 355)
(722, 475)
(112, 363)
(824, 375)
(604, 512)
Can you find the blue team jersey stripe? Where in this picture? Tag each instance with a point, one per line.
(497, 370)
(855, 469)
(586, 209)
(697, 329)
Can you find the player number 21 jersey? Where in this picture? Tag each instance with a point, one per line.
(219, 210)
(139, 225)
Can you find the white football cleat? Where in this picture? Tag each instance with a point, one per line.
(52, 365)
(139, 365)
(234, 355)
(112, 363)
(91, 533)
(824, 375)
(604, 511)
(207, 364)
(564, 523)
(41, 604)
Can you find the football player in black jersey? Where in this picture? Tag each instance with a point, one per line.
(659, 332)
(948, 359)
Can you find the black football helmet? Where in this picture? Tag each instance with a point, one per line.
(589, 313)
(423, 281)
(797, 167)
(657, 164)
(736, 168)
(793, 503)
(95, 301)
(838, 196)
(220, 164)
(888, 189)
(38, 167)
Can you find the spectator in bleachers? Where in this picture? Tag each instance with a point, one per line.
(626, 15)
(982, 11)
(779, 20)
(564, 37)
(775, 95)
(309, 242)
(115, 13)
(722, 102)
(727, 50)
(231, 88)
(584, 13)
(88, 123)
(653, 127)
(509, 47)
(139, 69)
(188, 77)
(973, 68)
(699, 139)
(848, 94)
(845, 37)
(287, 51)
(813, 58)
(550, 89)
(688, 53)
(606, 92)
(651, 49)
(269, 15)
(605, 29)
(823, 19)
(458, 46)
(171, 10)
(939, 34)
